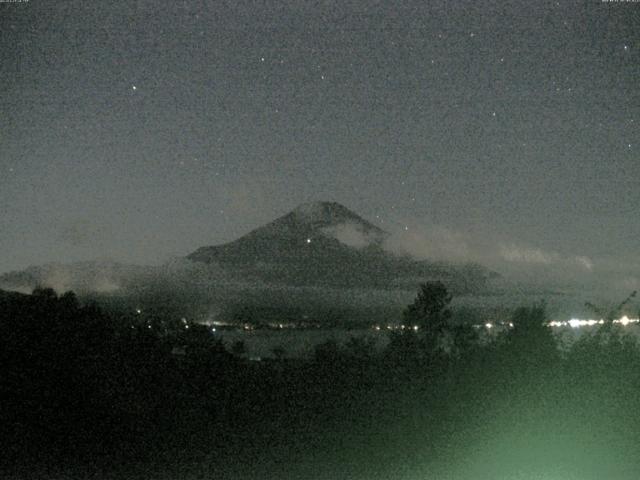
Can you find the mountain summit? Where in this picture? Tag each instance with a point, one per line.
(326, 214)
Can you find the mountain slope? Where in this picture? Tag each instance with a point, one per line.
(307, 231)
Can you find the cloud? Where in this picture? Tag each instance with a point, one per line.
(420, 243)
(435, 243)
(517, 261)
(350, 234)
(531, 255)
(94, 277)
(514, 253)
(586, 262)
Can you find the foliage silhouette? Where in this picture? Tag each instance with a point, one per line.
(83, 386)
(430, 310)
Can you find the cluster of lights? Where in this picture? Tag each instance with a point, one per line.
(573, 323)
(577, 323)
(490, 325)
(415, 328)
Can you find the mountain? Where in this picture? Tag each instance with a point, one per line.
(326, 244)
(309, 231)
(321, 262)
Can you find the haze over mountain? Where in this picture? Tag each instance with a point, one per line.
(321, 256)
(317, 244)
(99, 276)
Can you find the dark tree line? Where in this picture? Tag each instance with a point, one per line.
(82, 386)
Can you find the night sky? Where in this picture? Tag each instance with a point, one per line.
(488, 131)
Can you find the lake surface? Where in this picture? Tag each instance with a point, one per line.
(300, 343)
(297, 343)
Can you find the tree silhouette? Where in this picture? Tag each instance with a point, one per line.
(238, 348)
(430, 310)
(44, 293)
(430, 313)
(609, 315)
(279, 352)
(327, 352)
(531, 341)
